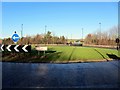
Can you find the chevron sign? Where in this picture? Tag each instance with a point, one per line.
(15, 48)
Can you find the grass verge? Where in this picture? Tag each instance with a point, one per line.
(64, 54)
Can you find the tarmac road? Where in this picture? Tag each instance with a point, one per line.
(83, 75)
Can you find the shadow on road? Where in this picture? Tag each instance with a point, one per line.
(113, 56)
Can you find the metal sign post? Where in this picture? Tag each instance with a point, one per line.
(44, 53)
(117, 41)
(41, 49)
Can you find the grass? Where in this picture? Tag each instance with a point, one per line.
(65, 54)
(83, 53)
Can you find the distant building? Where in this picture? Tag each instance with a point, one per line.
(77, 43)
(0, 41)
(90, 35)
(74, 43)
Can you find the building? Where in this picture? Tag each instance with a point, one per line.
(0, 41)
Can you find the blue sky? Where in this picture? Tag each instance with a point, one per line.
(61, 18)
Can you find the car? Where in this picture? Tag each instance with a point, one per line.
(77, 43)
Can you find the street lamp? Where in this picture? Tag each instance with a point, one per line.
(21, 33)
(45, 28)
(100, 31)
(45, 34)
(21, 30)
(82, 34)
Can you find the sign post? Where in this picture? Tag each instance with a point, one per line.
(41, 49)
(16, 48)
(117, 41)
(44, 53)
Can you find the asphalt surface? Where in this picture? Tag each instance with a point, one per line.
(82, 75)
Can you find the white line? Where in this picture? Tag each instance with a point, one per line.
(2, 47)
(16, 48)
(24, 48)
(8, 48)
(15, 37)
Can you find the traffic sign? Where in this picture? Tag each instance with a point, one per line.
(16, 48)
(15, 37)
(2, 47)
(41, 48)
(117, 40)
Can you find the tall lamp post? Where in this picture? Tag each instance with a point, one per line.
(82, 34)
(45, 34)
(21, 32)
(45, 28)
(100, 32)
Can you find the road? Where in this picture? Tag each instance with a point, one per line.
(83, 75)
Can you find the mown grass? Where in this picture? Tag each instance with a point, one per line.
(64, 54)
(84, 53)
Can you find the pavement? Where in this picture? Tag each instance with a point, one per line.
(75, 75)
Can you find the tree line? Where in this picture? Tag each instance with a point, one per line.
(103, 38)
(47, 38)
(97, 38)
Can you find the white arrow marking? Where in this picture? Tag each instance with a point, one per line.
(16, 48)
(2, 47)
(24, 48)
(8, 48)
(15, 37)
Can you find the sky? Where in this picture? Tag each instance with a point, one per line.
(60, 0)
(61, 18)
